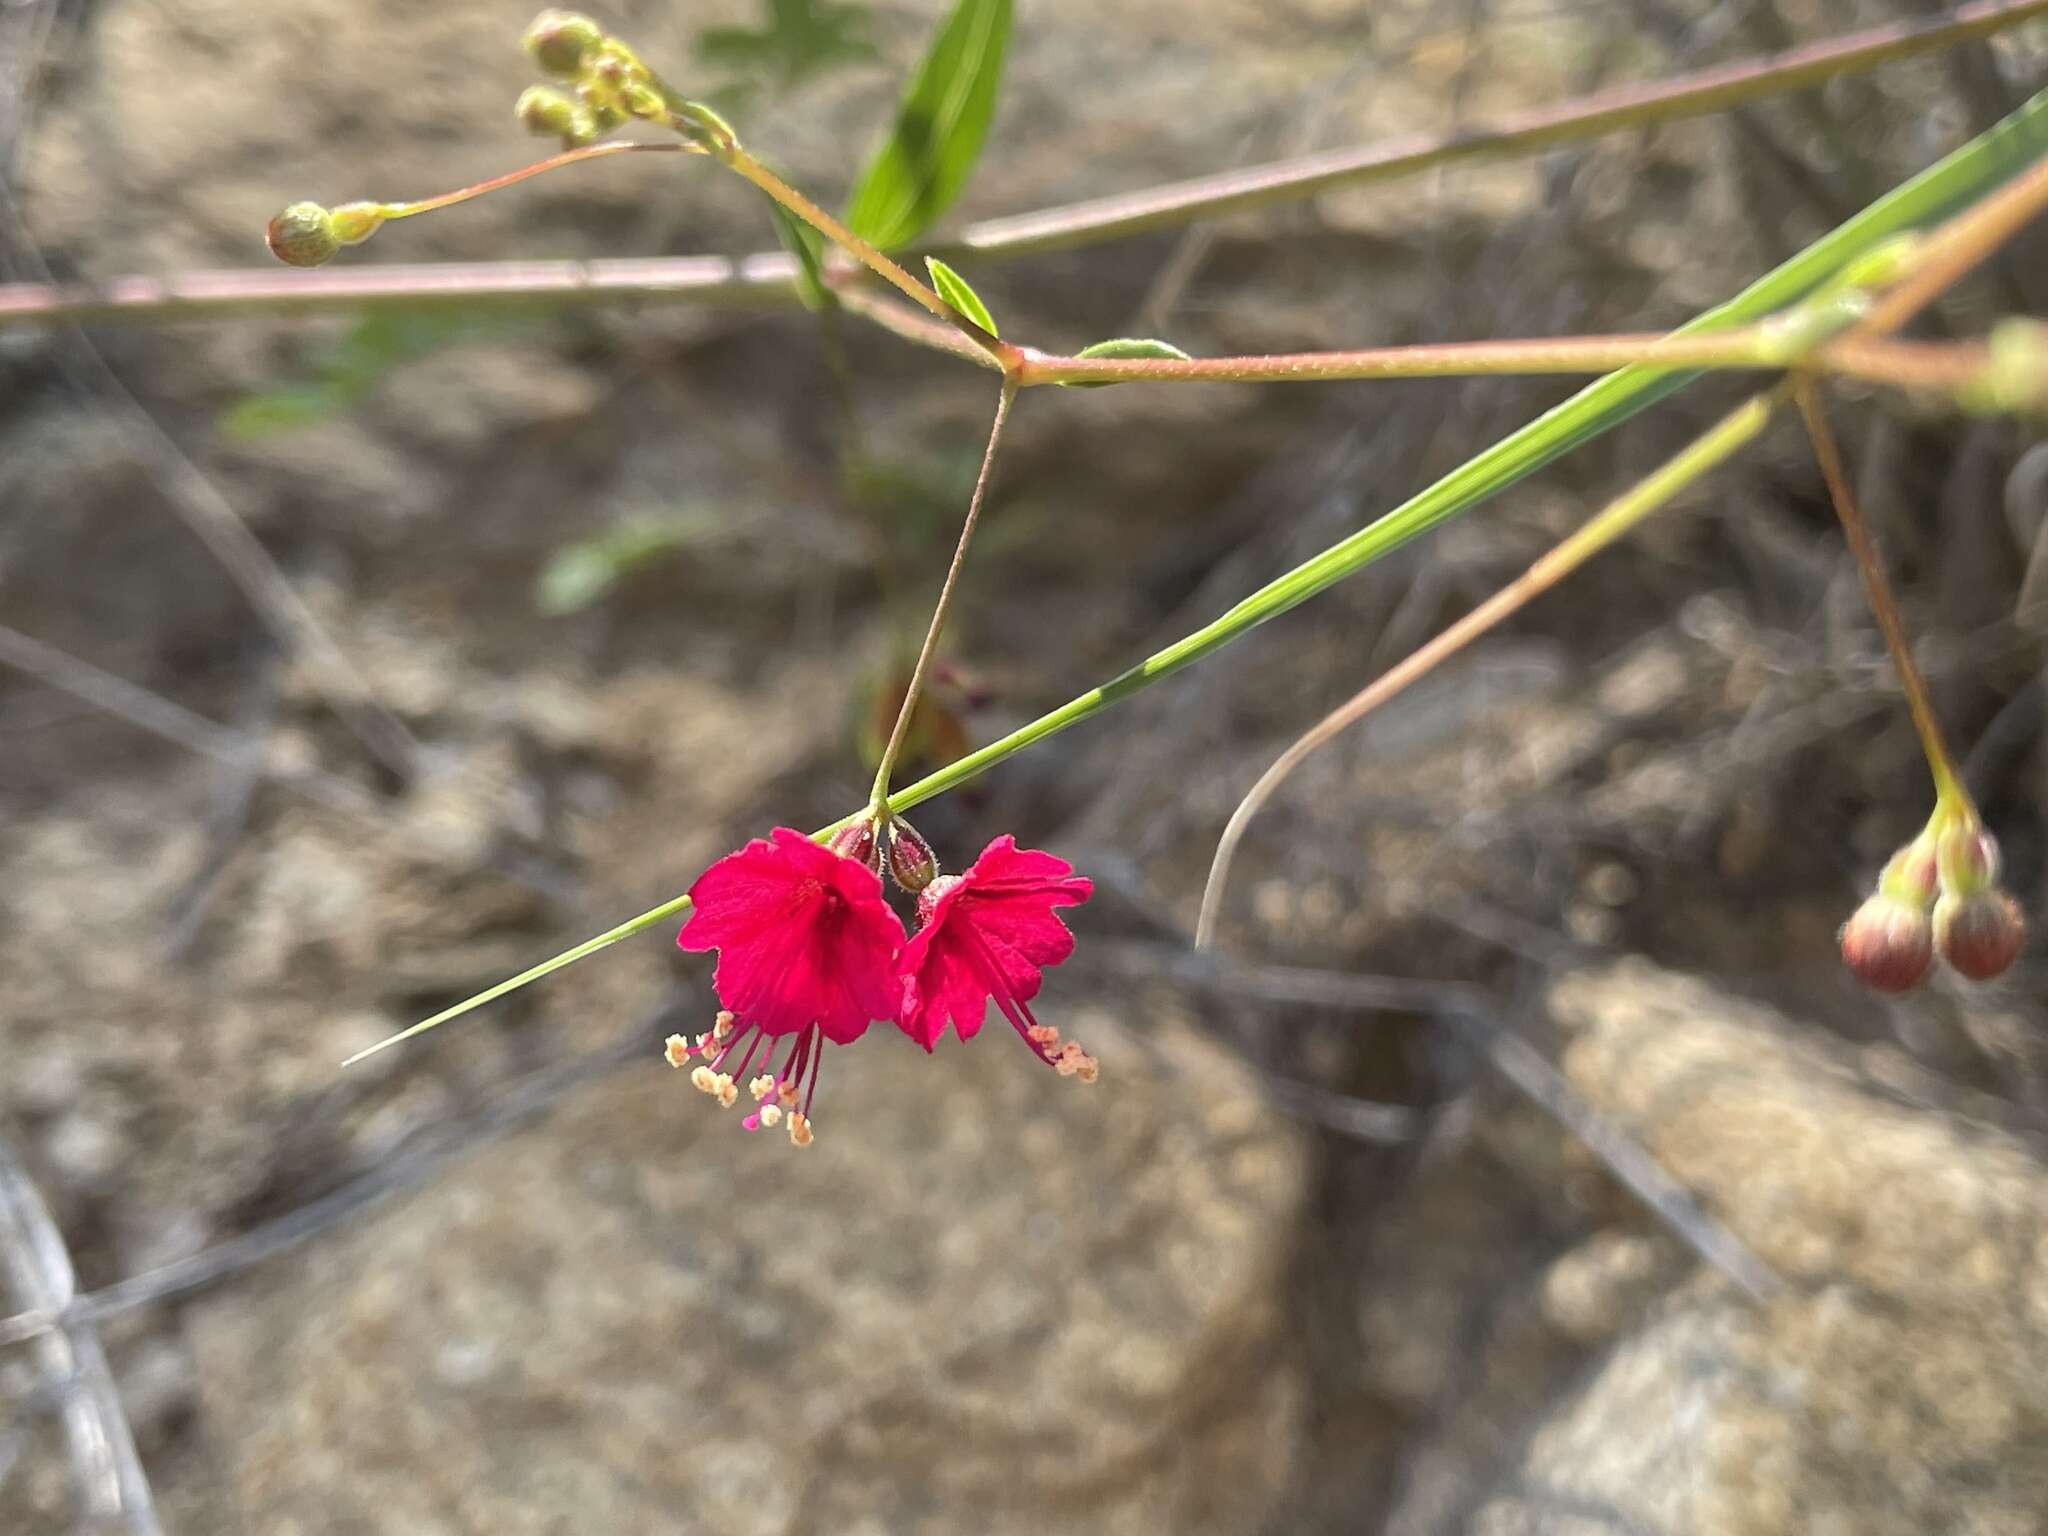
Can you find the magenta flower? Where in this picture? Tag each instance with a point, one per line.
(806, 948)
(987, 935)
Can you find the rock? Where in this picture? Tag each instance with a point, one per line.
(1900, 1384)
(982, 1289)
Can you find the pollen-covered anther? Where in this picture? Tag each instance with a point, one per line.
(1043, 1034)
(799, 1129)
(704, 1080)
(1072, 1061)
(677, 1050)
(770, 1115)
(722, 1026)
(762, 1087)
(727, 1090)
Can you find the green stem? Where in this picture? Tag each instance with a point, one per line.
(1710, 449)
(879, 795)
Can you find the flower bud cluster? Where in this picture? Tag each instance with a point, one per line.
(1938, 895)
(603, 83)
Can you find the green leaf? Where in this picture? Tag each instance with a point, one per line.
(580, 574)
(1125, 346)
(808, 247)
(929, 154)
(271, 411)
(797, 39)
(954, 290)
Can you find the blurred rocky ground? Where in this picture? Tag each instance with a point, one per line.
(1288, 1264)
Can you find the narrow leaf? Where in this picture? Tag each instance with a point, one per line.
(954, 290)
(806, 245)
(1125, 347)
(944, 117)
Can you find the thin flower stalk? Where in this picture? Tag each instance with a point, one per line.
(879, 795)
(1948, 784)
(1706, 452)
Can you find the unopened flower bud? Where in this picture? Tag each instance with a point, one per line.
(558, 41)
(546, 112)
(910, 858)
(1967, 856)
(1911, 874)
(602, 108)
(858, 843)
(1979, 935)
(303, 235)
(1888, 944)
(928, 898)
(2015, 380)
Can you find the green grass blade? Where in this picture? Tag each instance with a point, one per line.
(939, 129)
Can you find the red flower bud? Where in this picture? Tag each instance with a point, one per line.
(910, 858)
(1889, 944)
(1981, 934)
(857, 843)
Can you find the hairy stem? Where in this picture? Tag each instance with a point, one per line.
(1922, 366)
(866, 254)
(1692, 95)
(767, 277)
(1710, 449)
(1948, 784)
(879, 795)
(567, 157)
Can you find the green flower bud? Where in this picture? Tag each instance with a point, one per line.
(603, 106)
(546, 112)
(303, 235)
(2015, 380)
(559, 40)
(1888, 944)
(1980, 935)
